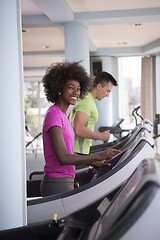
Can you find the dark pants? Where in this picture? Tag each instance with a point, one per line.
(50, 186)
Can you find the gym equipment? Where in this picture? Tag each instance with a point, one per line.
(33, 184)
(98, 183)
(118, 144)
(133, 213)
(115, 129)
(122, 140)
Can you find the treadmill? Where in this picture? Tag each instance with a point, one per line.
(33, 186)
(123, 140)
(119, 144)
(133, 213)
(102, 181)
(83, 172)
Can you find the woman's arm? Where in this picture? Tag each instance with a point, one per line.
(64, 158)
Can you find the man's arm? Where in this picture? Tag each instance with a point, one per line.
(80, 129)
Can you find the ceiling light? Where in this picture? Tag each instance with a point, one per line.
(136, 24)
(45, 46)
(122, 43)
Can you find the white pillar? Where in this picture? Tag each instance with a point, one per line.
(157, 77)
(12, 153)
(108, 107)
(77, 43)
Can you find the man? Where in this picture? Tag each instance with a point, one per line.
(85, 115)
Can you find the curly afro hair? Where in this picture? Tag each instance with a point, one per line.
(58, 74)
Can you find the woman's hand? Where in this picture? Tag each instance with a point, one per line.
(100, 163)
(108, 153)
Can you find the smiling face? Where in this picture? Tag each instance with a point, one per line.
(71, 92)
(103, 90)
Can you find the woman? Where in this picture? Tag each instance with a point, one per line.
(63, 84)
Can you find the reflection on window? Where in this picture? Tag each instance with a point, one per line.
(129, 69)
(36, 106)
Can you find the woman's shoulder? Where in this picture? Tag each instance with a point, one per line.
(53, 109)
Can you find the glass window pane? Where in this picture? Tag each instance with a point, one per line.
(129, 88)
(36, 106)
(31, 112)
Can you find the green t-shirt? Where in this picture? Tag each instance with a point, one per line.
(88, 106)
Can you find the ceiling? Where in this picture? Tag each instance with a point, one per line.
(116, 28)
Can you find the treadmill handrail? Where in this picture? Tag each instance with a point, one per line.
(90, 184)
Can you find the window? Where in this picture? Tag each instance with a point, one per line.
(129, 69)
(36, 106)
